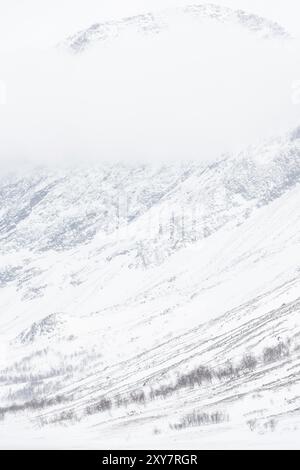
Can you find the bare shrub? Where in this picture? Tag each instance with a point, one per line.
(262, 426)
(104, 404)
(138, 397)
(195, 377)
(64, 417)
(252, 424)
(121, 401)
(200, 419)
(162, 392)
(35, 404)
(249, 362)
(270, 425)
(272, 354)
(226, 372)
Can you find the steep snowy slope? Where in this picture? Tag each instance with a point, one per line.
(153, 298)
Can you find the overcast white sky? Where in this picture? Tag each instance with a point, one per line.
(40, 23)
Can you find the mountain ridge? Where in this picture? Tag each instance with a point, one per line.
(151, 23)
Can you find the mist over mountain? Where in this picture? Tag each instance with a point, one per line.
(203, 82)
(149, 235)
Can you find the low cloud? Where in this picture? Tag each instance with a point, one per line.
(188, 93)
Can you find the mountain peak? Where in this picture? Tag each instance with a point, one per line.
(154, 23)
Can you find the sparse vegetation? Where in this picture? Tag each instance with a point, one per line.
(227, 372)
(262, 426)
(34, 405)
(204, 376)
(272, 354)
(156, 431)
(199, 419)
(138, 397)
(195, 377)
(200, 376)
(249, 362)
(104, 404)
(63, 418)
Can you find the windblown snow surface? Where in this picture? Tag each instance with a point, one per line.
(153, 305)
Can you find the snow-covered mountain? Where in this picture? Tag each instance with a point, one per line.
(156, 23)
(153, 304)
(153, 297)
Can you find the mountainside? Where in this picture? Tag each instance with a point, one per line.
(151, 24)
(149, 268)
(145, 300)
